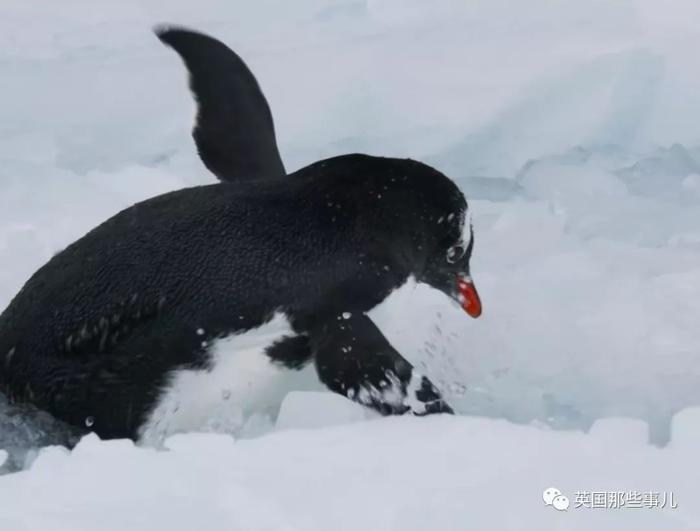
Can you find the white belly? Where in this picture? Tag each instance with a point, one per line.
(241, 382)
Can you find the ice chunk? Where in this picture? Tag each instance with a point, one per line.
(51, 458)
(23, 430)
(686, 429)
(311, 409)
(665, 174)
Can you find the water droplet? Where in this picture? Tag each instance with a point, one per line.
(89, 421)
(200, 331)
(226, 394)
(347, 315)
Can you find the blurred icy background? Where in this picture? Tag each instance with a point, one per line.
(573, 127)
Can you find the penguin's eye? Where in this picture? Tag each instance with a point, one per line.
(455, 252)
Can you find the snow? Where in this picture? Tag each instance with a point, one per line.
(402, 473)
(571, 126)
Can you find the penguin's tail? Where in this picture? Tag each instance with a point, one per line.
(234, 130)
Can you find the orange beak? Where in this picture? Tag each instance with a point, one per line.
(468, 297)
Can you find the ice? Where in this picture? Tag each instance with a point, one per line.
(403, 473)
(603, 100)
(622, 432)
(572, 128)
(306, 409)
(23, 430)
(686, 428)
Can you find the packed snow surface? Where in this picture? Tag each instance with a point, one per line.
(573, 129)
(407, 474)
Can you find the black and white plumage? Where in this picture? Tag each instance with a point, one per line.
(180, 303)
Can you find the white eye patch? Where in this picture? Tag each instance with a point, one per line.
(465, 226)
(456, 252)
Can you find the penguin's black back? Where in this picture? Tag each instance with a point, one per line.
(217, 246)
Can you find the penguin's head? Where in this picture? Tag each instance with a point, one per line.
(446, 267)
(431, 229)
(441, 235)
(408, 213)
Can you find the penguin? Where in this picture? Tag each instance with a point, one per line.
(124, 331)
(199, 299)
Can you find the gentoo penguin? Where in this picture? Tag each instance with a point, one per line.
(101, 334)
(152, 318)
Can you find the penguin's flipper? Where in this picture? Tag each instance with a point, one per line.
(234, 131)
(354, 359)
